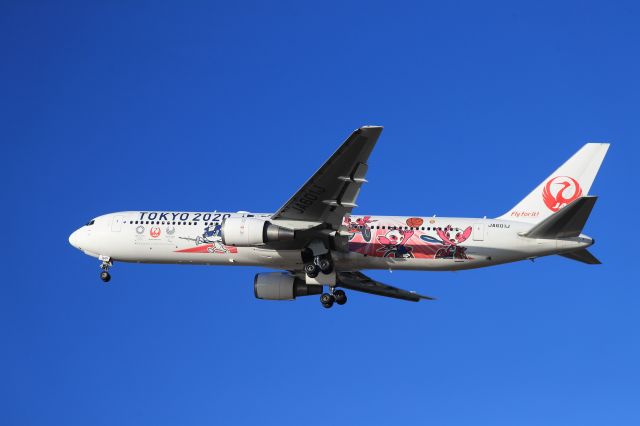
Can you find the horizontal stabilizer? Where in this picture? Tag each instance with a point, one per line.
(583, 256)
(565, 223)
(360, 282)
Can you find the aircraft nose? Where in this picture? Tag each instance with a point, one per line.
(74, 238)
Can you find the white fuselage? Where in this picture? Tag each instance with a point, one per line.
(375, 242)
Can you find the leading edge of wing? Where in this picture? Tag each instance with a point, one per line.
(358, 281)
(330, 192)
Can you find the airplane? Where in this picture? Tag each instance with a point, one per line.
(316, 241)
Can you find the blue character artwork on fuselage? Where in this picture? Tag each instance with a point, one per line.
(212, 235)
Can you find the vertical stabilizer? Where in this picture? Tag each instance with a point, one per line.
(572, 180)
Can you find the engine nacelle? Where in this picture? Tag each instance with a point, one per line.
(252, 231)
(282, 286)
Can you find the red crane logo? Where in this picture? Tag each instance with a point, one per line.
(154, 232)
(560, 191)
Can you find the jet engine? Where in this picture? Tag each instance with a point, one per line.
(252, 231)
(282, 286)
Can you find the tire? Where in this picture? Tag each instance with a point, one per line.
(105, 276)
(340, 296)
(312, 270)
(325, 265)
(327, 300)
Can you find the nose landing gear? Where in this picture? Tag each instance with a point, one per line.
(105, 265)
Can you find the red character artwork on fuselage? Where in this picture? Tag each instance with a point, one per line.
(451, 249)
(359, 226)
(394, 239)
(393, 244)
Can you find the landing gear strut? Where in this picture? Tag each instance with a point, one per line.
(334, 296)
(105, 265)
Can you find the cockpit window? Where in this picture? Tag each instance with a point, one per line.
(91, 223)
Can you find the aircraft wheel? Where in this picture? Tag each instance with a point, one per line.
(340, 296)
(327, 300)
(105, 276)
(312, 270)
(325, 264)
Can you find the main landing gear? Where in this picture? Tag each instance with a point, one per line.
(105, 276)
(321, 263)
(317, 258)
(334, 296)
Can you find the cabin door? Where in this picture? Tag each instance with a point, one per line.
(478, 232)
(116, 223)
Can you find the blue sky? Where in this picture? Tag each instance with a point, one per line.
(232, 106)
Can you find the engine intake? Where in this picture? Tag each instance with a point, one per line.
(282, 286)
(252, 231)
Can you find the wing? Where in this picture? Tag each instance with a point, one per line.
(331, 192)
(360, 282)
